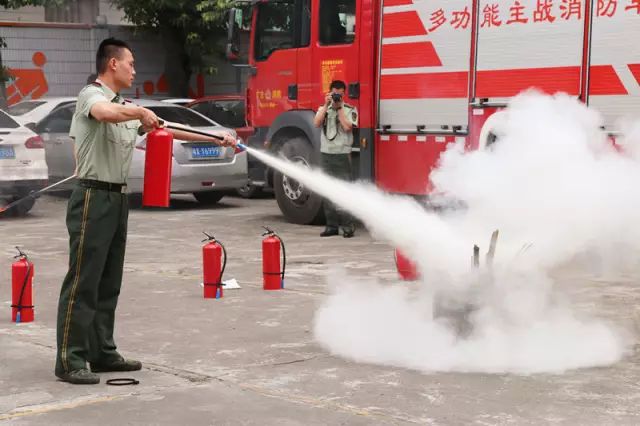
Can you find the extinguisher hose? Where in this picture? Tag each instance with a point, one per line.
(24, 285)
(224, 264)
(284, 258)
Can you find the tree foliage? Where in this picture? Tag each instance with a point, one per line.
(189, 30)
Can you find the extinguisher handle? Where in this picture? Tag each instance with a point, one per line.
(209, 237)
(267, 231)
(20, 255)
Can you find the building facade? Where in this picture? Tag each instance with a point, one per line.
(50, 51)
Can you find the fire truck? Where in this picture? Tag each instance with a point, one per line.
(423, 74)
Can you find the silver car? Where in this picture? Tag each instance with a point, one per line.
(202, 168)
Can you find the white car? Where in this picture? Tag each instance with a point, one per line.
(31, 111)
(22, 164)
(202, 168)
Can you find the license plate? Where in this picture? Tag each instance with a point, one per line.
(7, 152)
(205, 152)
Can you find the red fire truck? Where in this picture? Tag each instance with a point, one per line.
(423, 74)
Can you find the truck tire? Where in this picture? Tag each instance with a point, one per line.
(298, 204)
(249, 191)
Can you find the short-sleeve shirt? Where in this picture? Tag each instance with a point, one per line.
(334, 139)
(104, 150)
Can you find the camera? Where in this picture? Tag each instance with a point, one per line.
(336, 97)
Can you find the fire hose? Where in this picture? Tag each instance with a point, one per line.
(34, 194)
(188, 129)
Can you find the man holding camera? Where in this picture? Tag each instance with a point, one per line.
(337, 119)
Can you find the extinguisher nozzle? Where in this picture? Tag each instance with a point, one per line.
(241, 146)
(18, 317)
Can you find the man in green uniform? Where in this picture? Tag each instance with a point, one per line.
(337, 119)
(104, 128)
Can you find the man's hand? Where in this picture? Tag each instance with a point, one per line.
(229, 140)
(149, 119)
(327, 100)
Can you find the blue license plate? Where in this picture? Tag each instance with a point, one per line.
(205, 152)
(7, 152)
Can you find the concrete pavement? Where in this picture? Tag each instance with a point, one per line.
(250, 358)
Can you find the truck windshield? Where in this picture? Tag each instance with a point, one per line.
(275, 28)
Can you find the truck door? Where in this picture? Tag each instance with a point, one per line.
(337, 49)
(274, 58)
(529, 44)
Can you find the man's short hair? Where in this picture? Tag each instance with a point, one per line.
(109, 48)
(337, 84)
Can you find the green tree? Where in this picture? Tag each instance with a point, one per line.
(4, 75)
(189, 30)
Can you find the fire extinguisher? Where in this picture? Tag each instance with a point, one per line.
(22, 288)
(212, 257)
(272, 277)
(406, 268)
(156, 191)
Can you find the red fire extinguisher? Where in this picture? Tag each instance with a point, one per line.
(157, 169)
(406, 268)
(22, 288)
(272, 277)
(212, 271)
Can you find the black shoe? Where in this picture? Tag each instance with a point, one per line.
(329, 232)
(79, 377)
(120, 365)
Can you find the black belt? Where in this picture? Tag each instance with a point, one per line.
(106, 186)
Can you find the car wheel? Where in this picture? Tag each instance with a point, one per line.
(249, 191)
(20, 209)
(298, 204)
(209, 197)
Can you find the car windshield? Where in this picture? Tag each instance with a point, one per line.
(7, 122)
(181, 115)
(24, 107)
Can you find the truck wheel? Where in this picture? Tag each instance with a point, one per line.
(209, 197)
(297, 203)
(249, 191)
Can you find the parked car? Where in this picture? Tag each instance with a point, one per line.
(229, 111)
(22, 163)
(31, 111)
(178, 101)
(201, 168)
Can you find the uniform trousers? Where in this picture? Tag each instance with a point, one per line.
(97, 226)
(338, 166)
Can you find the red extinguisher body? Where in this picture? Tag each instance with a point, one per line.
(271, 273)
(406, 268)
(157, 169)
(22, 291)
(211, 270)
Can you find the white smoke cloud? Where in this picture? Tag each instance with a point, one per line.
(554, 187)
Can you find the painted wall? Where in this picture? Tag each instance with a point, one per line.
(57, 59)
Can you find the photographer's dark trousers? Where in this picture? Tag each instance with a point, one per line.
(97, 225)
(338, 166)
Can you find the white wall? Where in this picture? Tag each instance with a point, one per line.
(23, 14)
